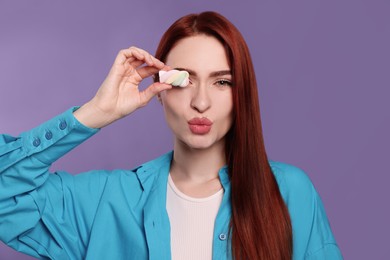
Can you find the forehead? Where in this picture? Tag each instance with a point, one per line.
(200, 53)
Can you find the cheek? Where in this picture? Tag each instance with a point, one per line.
(224, 102)
(174, 102)
(229, 117)
(226, 113)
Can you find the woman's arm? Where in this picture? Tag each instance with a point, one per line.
(37, 209)
(29, 195)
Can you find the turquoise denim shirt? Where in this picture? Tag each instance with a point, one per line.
(121, 214)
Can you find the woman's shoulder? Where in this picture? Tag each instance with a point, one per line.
(291, 179)
(296, 188)
(313, 237)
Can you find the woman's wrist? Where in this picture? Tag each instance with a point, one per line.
(93, 117)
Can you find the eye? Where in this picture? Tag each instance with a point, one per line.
(223, 83)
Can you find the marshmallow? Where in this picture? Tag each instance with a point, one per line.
(174, 77)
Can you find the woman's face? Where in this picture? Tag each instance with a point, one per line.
(200, 114)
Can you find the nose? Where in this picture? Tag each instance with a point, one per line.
(200, 101)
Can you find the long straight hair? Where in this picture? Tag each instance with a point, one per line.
(260, 224)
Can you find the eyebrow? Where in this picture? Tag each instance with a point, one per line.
(212, 74)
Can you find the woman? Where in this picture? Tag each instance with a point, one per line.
(216, 195)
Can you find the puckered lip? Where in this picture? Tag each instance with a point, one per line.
(200, 121)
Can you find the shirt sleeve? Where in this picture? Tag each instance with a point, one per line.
(312, 233)
(328, 251)
(40, 213)
(321, 243)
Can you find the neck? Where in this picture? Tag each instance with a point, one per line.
(197, 165)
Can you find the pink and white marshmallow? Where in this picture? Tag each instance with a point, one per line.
(178, 78)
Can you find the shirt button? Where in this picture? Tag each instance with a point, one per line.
(48, 135)
(222, 236)
(36, 142)
(63, 125)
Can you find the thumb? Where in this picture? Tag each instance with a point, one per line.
(151, 91)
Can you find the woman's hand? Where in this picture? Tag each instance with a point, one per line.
(118, 96)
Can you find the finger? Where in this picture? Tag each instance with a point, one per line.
(146, 54)
(124, 56)
(158, 63)
(149, 59)
(136, 63)
(166, 67)
(129, 55)
(138, 53)
(134, 54)
(147, 71)
(153, 90)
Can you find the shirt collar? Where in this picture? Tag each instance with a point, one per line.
(160, 166)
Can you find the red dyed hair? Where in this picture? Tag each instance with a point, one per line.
(260, 225)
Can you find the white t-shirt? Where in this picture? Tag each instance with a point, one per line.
(192, 223)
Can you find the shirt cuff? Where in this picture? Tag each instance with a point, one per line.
(56, 137)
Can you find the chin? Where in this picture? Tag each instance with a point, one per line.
(198, 146)
(200, 142)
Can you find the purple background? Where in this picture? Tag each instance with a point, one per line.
(323, 71)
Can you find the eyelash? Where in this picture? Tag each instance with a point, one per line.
(225, 82)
